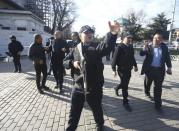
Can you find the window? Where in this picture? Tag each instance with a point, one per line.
(5, 28)
(21, 28)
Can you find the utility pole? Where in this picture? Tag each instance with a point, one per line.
(171, 25)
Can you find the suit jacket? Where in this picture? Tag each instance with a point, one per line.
(149, 58)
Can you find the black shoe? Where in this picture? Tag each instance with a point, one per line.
(100, 128)
(19, 71)
(57, 86)
(48, 73)
(40, 91)
(149, 96)
(116, 89)
(127, 106)
(158, 107)
(147, 93)
(61, 91)
(45, 88)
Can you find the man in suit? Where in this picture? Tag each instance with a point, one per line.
(157, 55)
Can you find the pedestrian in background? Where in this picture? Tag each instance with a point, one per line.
(58, 48)
(15, 49)
(37, 55)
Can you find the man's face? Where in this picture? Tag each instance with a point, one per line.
(74, 37)
(87, 37)
(13, 39)
(127, 40)
(39, 40)
(157, 39)
(58, 35)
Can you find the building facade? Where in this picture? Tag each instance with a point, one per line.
(14, 20)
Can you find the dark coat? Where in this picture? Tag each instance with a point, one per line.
(15, 47)
(92, 66)
(37, 52)
(123, 58)
(57, 54)
(149, 58)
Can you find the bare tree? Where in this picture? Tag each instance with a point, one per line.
(63, 14)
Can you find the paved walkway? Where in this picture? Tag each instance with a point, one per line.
(22, 108)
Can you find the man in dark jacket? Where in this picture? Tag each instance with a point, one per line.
(58, 48)
(157, 55)
(88, 74)
(15, 49)
(75, 40)
(37, 55)
(125, 61)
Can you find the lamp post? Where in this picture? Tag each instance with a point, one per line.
(171, 25)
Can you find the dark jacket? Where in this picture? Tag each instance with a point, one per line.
(92, 66)
(72, 44)
(15, 47)
(123, 58)
(37, 52)
(56, 48)
(149, 58)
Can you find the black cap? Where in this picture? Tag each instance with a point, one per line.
(85, 29)
(12, 37)
(126, 34)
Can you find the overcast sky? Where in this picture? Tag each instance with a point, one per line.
(99, 12)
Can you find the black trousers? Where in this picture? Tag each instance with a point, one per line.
(147, 84)
(125, 78)
(58, 71)
(77, 103)
(50, 67)
(155, 75)
(40, 69)
(17, 64)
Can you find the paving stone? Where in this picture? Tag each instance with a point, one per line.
(22, 108)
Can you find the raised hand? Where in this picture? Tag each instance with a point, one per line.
(76, 64)
(114, 73)
(114, 28)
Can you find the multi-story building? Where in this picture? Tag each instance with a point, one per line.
(16, 19)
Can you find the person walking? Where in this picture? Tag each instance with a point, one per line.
(88, 74)
(125, 61)
(157, 55)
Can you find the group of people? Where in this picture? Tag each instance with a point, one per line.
(84, 58)
(56, 48)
